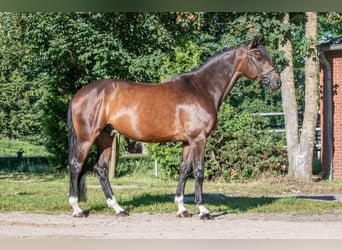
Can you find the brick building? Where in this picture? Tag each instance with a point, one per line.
(330, 54)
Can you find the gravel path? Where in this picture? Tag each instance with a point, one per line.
(167, 226)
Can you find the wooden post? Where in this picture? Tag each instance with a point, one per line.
(115, 156)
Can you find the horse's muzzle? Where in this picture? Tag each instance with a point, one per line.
(275, 84)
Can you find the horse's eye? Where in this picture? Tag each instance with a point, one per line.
(258, 56)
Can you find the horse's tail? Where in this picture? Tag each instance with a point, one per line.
(72, 140)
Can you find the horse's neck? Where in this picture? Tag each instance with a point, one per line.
(229, 86)
(220, 76)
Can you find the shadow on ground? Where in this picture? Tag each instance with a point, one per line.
(220, 203)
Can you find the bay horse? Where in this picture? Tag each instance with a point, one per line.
(183, 109)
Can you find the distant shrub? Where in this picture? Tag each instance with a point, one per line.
(240, 149)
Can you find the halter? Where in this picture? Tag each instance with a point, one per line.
(264, 77)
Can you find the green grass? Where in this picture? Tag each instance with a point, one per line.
(9, 148)
(49, 194)
(34, 158)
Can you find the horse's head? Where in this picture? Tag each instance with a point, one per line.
(258, 64)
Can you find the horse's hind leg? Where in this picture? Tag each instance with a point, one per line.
(104, 146)
(77, 182)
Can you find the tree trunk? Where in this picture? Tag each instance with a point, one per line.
(300, 151)
(307, 138)
(289, 102)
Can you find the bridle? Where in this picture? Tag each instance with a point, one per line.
(265, 77)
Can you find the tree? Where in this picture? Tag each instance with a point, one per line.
(300, 143)
(20, 112)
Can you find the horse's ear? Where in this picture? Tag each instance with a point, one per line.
(258, 40)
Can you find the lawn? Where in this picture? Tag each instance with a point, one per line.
(49, 194)
(9, 148)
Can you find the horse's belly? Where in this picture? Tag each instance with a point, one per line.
(146, 128)
(160, 121)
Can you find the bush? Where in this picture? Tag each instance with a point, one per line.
(240, 149)
(168, 156)
(135, 167)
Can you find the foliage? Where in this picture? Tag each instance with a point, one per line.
(20, 110)
(143, 167)
(328, 27)
(186, 58)
(49, 56)
(240, 148)
(168, 156)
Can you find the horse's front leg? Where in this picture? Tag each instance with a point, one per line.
(198, 167)
(183, 175)
(199, 176)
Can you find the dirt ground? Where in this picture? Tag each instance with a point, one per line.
(167, 226)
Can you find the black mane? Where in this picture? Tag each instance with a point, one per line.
(208, 60)
(221, 52)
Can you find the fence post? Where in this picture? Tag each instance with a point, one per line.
(115, 155)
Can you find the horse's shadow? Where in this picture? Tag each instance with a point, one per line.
(221, 204)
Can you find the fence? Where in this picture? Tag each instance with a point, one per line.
(116, 156)
(280, 128)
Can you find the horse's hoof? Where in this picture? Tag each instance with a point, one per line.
(122, 214)
(184, 214)
(206, 217)
(78, 215)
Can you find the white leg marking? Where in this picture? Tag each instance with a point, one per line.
(203, 210)
(114, 204)
(73, 201)
(179, 200)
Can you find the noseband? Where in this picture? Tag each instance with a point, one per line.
(265, 77)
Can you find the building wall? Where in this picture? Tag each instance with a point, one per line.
(335, 60)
